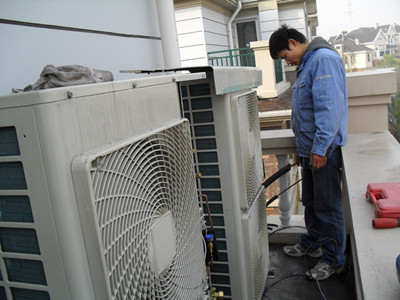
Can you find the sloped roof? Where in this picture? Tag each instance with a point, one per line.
(364, 34)
(349, 45)
(384, 28)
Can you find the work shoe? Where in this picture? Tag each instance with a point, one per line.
(321, 271)
(297, 250)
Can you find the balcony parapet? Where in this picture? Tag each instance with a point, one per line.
(369, 95)
(274, 142)
(371, 158)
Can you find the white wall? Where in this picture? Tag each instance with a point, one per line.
(269, 22)
(295, 18)
(272, 19)
(24, 51)
(215, 29)
(200, 30)
(189, 27)
(361, 61)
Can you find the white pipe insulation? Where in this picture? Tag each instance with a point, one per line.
(169, 36)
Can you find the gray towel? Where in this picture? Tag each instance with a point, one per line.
(52, 77)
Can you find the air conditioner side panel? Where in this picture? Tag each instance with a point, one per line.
(233, 191)
(38, 198)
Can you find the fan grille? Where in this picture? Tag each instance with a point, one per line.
(250, 143)
(133, 187)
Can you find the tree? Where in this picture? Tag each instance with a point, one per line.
(393, 61)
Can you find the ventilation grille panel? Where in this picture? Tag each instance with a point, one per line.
(133, 187)
(22, 274)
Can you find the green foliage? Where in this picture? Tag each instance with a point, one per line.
(388, 61)
(393, 61)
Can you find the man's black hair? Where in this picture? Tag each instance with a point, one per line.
(279, 40)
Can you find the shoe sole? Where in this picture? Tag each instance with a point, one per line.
(337, 274)
(302, 254)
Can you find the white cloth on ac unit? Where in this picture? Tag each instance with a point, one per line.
(52, 77)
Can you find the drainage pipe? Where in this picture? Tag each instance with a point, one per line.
(229, 25)
(169, 36)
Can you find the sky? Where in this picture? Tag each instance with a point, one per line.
(333, 16)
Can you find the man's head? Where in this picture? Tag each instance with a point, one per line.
(288, 44)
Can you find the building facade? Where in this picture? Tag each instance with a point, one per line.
(206, 26)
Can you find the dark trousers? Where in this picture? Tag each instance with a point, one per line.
(324, 216)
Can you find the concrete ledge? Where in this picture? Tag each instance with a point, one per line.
(368, 158)
(274, 142)
(371, 82)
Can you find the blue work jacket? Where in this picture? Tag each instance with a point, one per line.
(319, 108)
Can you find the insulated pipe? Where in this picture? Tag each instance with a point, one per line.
(229, 25)
(169, 36)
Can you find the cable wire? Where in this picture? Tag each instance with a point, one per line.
(322, 241)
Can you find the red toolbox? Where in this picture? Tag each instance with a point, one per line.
(386, 198)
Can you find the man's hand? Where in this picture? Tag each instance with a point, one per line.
(317, 161)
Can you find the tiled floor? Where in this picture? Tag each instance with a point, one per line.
(289, 283)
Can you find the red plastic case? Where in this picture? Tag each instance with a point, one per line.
(386, 198)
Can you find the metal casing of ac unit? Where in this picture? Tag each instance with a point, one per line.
(46, 131)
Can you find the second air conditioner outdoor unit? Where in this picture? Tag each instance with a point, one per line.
(223, 113)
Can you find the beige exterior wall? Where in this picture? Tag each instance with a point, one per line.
(269, 88)
(357, 61)
(369, 95)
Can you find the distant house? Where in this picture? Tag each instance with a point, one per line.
(396, 37)
(360, 47)
(356, 57)
(392, 34)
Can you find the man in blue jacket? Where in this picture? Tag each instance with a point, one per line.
(319, 123)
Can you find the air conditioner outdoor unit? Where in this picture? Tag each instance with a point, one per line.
(223, 113)
(98, 194)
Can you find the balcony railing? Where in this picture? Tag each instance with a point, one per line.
(241, 57)
(278, 70)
